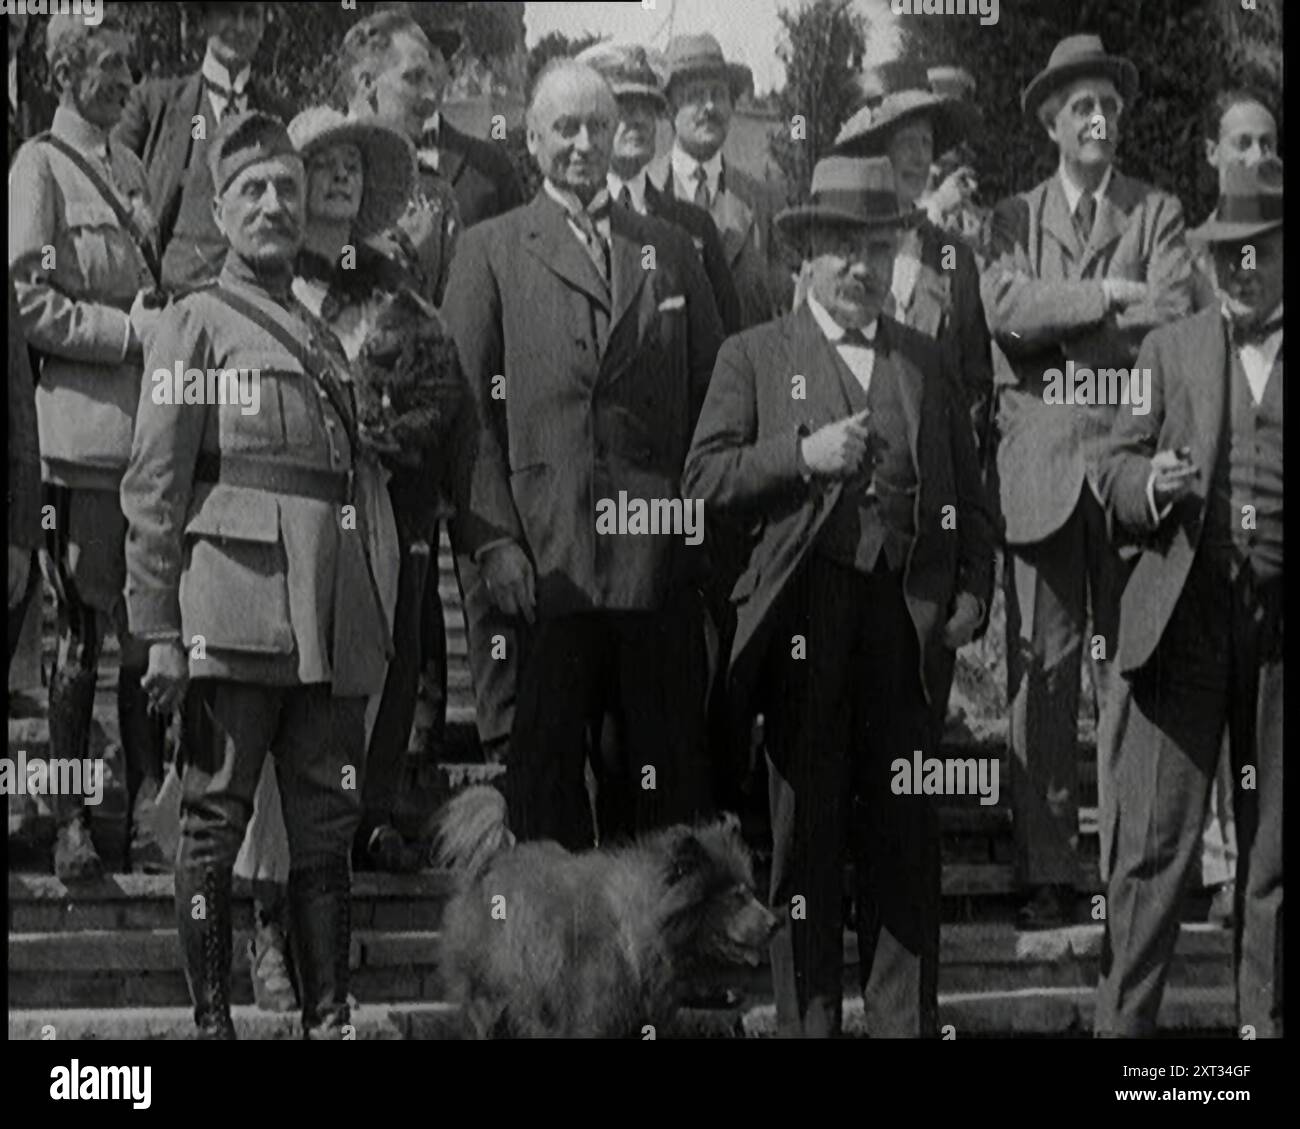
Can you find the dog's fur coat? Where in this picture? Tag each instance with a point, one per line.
(541, 942)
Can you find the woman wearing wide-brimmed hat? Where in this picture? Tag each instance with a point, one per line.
(409, 383)
(936, 278)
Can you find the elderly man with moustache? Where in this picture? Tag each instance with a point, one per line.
(80, 253)
(1083, 266)
(588, 370)
(158, 125)
(702, 88)
(835, 427)
(248, 574)
(1197, 483)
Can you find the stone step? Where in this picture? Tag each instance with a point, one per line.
(41, 903)
(136, 968)
(1043, 1012)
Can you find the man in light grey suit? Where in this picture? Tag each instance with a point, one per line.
(1083, 265)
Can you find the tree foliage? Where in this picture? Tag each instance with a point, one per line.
(1185, 51)
(826, 41)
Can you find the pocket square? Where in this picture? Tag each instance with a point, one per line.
(676, 302)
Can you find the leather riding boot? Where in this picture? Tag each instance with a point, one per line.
(72, 701)
(144, 738)
(203, 919)
(320, 931)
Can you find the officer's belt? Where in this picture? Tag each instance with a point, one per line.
(271, 477)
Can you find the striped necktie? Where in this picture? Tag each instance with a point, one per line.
(701, 188)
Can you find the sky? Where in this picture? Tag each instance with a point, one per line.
(748, 30)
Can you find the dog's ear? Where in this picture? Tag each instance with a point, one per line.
(686, 857)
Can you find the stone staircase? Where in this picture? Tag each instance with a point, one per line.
(101, 960)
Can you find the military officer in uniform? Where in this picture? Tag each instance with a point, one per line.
(247, 573)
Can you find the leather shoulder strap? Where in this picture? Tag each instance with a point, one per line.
(141, 240)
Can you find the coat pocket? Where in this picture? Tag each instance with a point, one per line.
(234, 590)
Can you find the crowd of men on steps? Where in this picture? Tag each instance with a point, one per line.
(834, 380)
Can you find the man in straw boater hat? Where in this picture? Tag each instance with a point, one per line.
(702, 89)
(158, 125)
(936, 286)
(248, 572)
(1083, 266)
(855, 598)
(1197, 482)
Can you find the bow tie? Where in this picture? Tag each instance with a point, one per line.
(856, 337)
(1253, 332)
(226, 93)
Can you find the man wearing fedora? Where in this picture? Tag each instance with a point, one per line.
(158, 125)
(588, 372)
(1083, 266)
(1197, 483)
(936, 287)
(253, 589)
(834, 427)
(702, 89)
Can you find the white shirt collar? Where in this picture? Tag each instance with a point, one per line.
(831, 328)
(1074, 191)
(433, 123)
(635, 187)
(214, 72)
(684, 166)
(570, 203)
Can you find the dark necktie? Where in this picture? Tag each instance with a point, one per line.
(701, 188)
(1085, 214)
(625, 198)
(597, 248)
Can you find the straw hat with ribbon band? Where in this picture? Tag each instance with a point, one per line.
(627, 70)
(700, 56)
(387, 157)
(1076, 57)
(847, 192)
(1251, 204)
(907, 97)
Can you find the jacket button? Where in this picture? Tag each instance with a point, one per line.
(581, 344)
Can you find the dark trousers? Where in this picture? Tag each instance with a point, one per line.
(1218, 665)
(1052, 587)
(836, 720)
(648, 671)
(318, 742)
(390, 739)
(18, 613)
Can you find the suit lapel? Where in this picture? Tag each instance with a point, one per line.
(548, 238)
(627, 275)
(1114, 212)
(1059, 223)
(828, 396)
(451, 154)
(1208, 359)
(908, 379)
